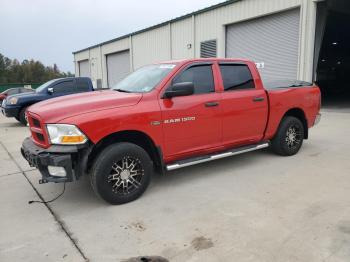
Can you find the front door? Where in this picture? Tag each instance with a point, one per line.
(192, 123)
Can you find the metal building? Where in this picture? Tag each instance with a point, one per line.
(289, 39)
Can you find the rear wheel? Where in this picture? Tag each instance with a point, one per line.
(289, 137)
(121, 173)
(22, 116)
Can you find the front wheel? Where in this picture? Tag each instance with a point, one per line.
(121, 173)
(289, 137)
(22, 116)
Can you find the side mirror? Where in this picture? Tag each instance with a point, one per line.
(180, 89)
(50, 90)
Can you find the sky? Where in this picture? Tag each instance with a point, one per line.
(50, 30)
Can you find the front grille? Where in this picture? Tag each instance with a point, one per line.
(36, 122)
(40, 137)
(38, 131)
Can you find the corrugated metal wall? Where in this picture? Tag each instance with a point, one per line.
(182, 39)
(95, 65)
(171, 41)
(151, 46)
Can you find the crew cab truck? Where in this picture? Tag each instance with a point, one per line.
(163, 117)
(16, 105)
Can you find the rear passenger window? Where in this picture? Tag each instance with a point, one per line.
(64, 87)
(82, 85)
(201, 76)
(236, 77)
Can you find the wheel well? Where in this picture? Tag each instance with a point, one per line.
(131, 136)
(298, 113)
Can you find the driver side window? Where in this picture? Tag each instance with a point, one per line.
(201, 76)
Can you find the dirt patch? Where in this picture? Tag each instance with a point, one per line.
(315, 154)
(344, 227)
(139, 226)
(201, 243)
(146, 259)
(315, 209)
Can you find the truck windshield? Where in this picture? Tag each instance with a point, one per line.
(144, 79)
(43, 86)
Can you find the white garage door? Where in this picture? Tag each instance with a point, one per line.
(118, 66)
(84, 68)
(272, 41)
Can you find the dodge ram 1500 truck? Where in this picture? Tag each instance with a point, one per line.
(163, 117)
(16, 105)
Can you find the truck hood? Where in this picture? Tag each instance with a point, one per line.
(24, 95)
(27, 94)
(57, 109)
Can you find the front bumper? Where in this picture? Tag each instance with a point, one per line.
(72, 158)
(10, 111)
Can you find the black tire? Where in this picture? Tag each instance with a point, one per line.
(22, 116)
(17, 118)
(289, 137)
(110, 169)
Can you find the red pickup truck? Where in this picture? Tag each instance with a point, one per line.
(163, 117)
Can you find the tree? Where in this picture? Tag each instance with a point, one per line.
(27, 71)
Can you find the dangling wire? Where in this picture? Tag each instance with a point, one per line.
(45, 202)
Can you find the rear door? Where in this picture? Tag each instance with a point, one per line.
(192, 123)
(65, 87)
(244, 105)
(82, 85)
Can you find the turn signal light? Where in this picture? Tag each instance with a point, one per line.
(72, 139)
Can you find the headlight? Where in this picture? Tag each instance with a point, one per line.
(13, 100)
(63, 134)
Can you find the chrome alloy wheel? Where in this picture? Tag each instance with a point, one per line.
(126, 175)
(293, 136)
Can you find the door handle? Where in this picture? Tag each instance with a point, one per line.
(258, 99)
(211, 104)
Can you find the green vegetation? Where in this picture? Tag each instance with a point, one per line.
(28, 71)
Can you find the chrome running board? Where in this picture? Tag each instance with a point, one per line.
(207, 158)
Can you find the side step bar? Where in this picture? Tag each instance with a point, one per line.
(207, 158)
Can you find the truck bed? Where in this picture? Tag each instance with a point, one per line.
(284, 95)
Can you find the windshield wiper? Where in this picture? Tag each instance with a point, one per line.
(122, 90)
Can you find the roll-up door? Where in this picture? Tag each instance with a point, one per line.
(271, 41)
(118, 66)
(84, 68)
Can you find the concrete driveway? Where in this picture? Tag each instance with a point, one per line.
(252, 207)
